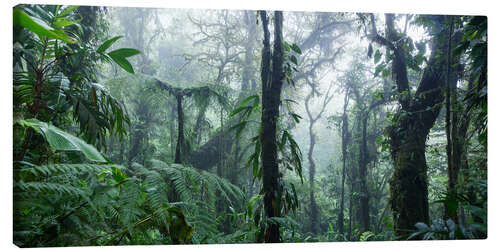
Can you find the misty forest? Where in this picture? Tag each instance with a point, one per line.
(142, 126)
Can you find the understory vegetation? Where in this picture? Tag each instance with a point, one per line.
(137, 126)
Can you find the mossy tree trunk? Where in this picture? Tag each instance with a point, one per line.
(363, 164)
(272, 81)
(180, 129)
(345, 141)
(313, 207)
(409, 131)
(362, 117)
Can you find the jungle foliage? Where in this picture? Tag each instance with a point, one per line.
(213, 127)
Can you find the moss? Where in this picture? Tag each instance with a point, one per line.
(409, 185)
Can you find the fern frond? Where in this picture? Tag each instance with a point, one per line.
(55, 169)
(48, 188)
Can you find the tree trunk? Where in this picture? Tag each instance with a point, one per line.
(455, 139)
(312, 171)
(349, 230)
(363, 163)
(409, 181)
(409, 132)
(409, 201)
(345, 141)
(340, 222)
(180, 130)
(172, 125)
(197, 127)
(271, 94)
(314, 218)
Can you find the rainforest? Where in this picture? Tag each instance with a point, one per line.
(148, 126)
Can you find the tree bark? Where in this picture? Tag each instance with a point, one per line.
(314, 213)
(180, 130)
(363, 163)
(455, 133)
(409, 187)
(345, 142)
(136, 141)
(272, 82)
(349, 230)
(312, 171)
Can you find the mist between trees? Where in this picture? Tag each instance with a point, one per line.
(175, 126)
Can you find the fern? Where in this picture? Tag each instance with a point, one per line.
(101, 204)
(55, 169)
(191, 182)
(198, 191)
(47, 188)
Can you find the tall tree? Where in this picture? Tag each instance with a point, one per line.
(414, 119)
(272, 81)
(345, 137)
(452, 122)
(314, 213)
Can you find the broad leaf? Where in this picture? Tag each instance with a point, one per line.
(120, 55)
(107, 44)
(61, 140)
(124, 63)
(38, 27)
(124, 52)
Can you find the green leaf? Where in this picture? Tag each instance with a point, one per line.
(377, 56)
(380, 95)
(293, 59)
(120, 55)
(124, 63)
(20, 18)
(62, 23)
(240, 109)
(124, 52)
(254, 97)
(366, 236)
(255, 168)
(385, 72)
(240, 126)
(296, 117)
(378, 69)
(290, 100)
(60, 140)
(107, 44)
(283, 140)
(286, 46)
(68, 10)
(255, 159)
(118, 175)
(296, 48)
(252, 202)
